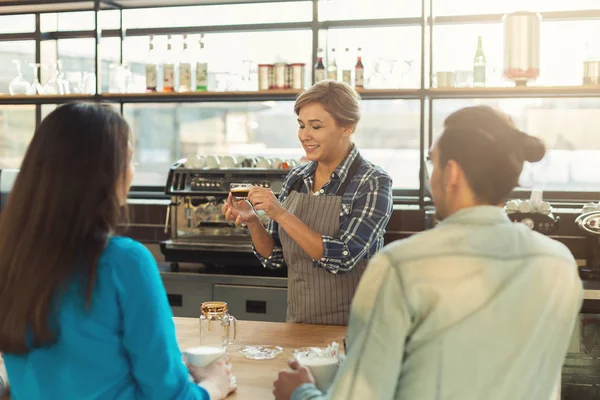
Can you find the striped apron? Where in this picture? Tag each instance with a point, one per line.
(316, 296)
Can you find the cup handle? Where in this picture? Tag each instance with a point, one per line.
(232, 321)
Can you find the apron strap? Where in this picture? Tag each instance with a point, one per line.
(297, 185)
(351, 172)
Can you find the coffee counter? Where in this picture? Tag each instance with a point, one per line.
(255, 377)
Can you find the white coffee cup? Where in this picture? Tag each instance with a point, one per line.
(195, 162)
(202, 356)
(212, 162)
(228, 162)
(323, 369)
(263, 163)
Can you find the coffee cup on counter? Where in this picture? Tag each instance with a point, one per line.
(202, 356)
(322, 368)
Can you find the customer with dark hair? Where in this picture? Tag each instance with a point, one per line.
(83, 313)
(478, 307)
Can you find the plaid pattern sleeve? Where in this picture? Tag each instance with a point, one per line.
(362, 222)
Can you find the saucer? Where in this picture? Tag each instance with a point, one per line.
(261, 352)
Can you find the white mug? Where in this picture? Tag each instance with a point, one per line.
(263, 163)
(202, 356)
(323, 369)
(228, 162)
(195, 162)
(211, 162)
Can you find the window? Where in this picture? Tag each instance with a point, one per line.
(232, 57)
(391, 56)
(470, 7)
(79, 21)
(24, 53)
(219, 15)
(564, 46)
(388, 135)
(17, 23)
(77, 57)
(568, 127)
(17, 124)
(335, 10)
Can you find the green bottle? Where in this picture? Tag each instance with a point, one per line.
(479, 66)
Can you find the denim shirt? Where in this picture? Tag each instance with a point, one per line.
(477, 308)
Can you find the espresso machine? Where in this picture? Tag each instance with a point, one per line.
(199, 233)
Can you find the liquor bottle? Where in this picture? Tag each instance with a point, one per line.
(332, 72)
(359, 72)
(152, 68)
(479, 66)
(319, 67)
(169, 68)
(201, 67)
(347, 69)
(185, 68)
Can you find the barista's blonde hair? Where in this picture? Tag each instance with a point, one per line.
(337, 98)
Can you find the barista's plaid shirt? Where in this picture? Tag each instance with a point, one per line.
(366, 210)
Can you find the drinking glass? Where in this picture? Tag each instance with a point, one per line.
(18, 85)
(36, 87)
(240, 190)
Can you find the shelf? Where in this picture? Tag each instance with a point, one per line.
(516, 92)
(380, 94)
(193, 97)
(266, 95)
(290, 95)
(6, 99)
(196, 97)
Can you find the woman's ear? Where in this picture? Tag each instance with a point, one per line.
(347, 130)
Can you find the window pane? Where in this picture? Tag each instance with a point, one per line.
(569, 128)
(232, 57)
(78, 21)
(109, 19)
(21, 51)
(386, 66)
(468, 7)
(48, 108)
(77, 56)
(17, 124)
(17, 23)
(388, 135)
(562, 54)
(218, 15)
(332, 10)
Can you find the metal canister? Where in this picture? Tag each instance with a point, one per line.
(522, 46)
(280, 76)
(297, 75)
(265, 76)
(591, 73)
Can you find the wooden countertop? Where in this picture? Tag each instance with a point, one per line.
(255, 377)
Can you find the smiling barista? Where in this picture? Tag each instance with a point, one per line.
(331, 213)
